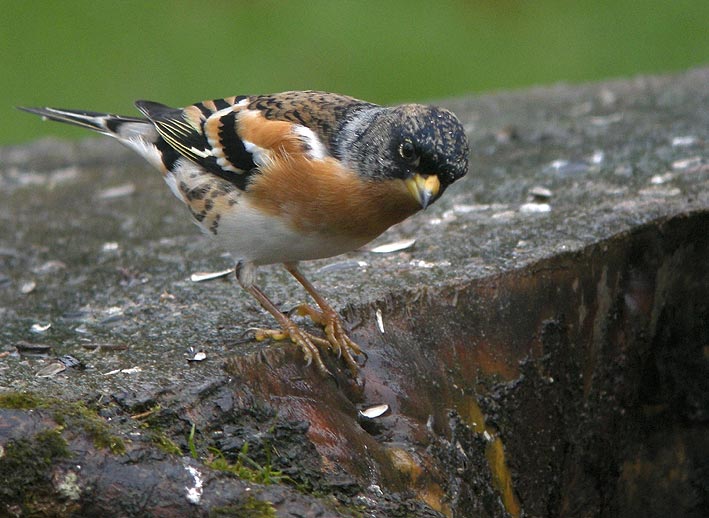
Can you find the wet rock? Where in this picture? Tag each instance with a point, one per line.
(532, 362)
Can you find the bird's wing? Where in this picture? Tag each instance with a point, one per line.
(236, 136)
(206, 134)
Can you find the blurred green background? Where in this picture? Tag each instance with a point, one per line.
(102, 55)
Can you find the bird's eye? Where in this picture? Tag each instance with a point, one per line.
(407, 150)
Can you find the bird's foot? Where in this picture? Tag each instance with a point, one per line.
(308, 343)
(337, 338)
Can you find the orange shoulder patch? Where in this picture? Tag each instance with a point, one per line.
(276, 136)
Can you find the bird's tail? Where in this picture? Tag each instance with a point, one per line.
(125, 129)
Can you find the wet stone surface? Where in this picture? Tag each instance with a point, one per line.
(541, 348)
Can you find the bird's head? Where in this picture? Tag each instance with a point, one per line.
(423, 146)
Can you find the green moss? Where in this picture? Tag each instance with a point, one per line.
(162, 441)
(77, 414)
(252, 508)
(26, 469)
(191, 443)
(70, 415)
(246, 468)
(52, 444)
(19, 400)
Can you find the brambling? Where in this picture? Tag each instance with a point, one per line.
(293, 176)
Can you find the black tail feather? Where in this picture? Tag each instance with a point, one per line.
(109, 124)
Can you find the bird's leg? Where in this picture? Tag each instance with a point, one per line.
(245, 273)
(326, 317)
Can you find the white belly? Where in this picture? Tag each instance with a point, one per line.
(252, 236)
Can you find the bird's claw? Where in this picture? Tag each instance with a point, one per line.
(304, 340)
(261, 335)
(337, 340)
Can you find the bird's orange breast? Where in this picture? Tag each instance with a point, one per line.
(320, 196)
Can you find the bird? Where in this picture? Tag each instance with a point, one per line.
(290, 177)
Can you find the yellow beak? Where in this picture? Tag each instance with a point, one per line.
(423, 188)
